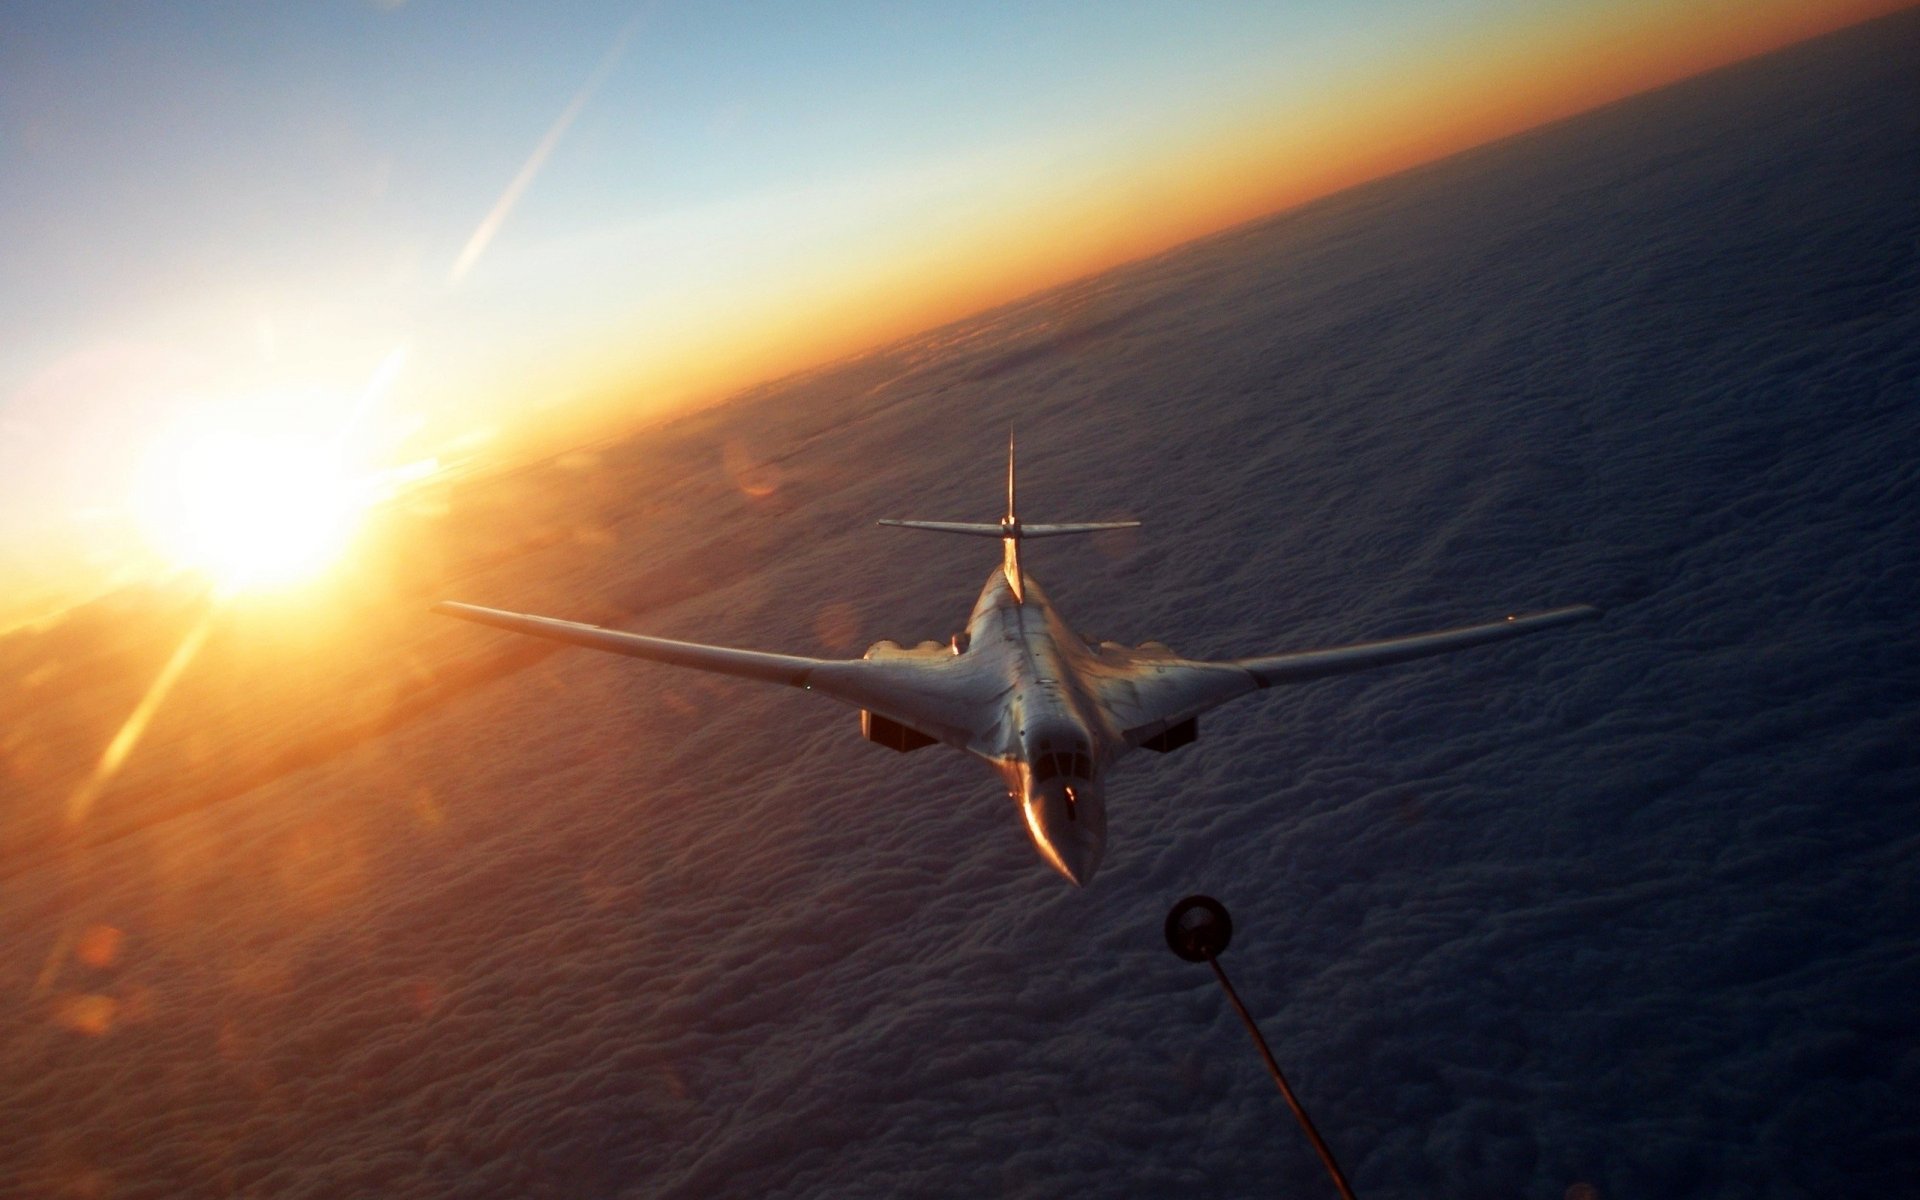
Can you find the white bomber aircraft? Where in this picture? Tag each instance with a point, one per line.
(1048, 710)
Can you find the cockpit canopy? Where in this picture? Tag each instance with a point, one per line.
(1059, 755)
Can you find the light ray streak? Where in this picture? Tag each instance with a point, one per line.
(50, 969)
(483, 233)
(376, 390)
(115, 755)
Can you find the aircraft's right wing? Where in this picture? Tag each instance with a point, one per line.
(725, 660)
(934, 692)
(1153, 694)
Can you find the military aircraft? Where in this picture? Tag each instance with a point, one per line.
(1045, 708)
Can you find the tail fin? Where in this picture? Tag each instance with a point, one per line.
(1010, 531)
(1010, 518)
(1016, 582)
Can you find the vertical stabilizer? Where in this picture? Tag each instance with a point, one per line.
(1010, 533)
(1010, 519)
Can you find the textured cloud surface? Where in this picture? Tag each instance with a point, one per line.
(1629, 905)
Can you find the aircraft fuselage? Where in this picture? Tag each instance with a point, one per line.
(1054, 742)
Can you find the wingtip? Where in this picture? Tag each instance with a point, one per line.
(1569, 612)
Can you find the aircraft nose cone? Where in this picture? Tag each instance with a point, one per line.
(1079, 859)
(1069, 827)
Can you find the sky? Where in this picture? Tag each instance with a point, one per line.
(422, 232)
(378, 903)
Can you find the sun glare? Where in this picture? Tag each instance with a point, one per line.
(251, 511)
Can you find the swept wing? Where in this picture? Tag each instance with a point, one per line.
(933, 691)
(1149, 692)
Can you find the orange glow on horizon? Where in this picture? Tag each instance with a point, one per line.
(1479, 94)
(1468, 96)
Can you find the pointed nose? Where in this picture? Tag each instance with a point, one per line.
(1069, 828)
(1078, 859)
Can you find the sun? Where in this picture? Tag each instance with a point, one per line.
(250, 510)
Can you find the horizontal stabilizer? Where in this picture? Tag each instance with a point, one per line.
(1037, 531)
(966, 527)
(1021, 532)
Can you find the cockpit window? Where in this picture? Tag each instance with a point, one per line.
(1053, 758)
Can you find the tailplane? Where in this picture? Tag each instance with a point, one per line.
(1010, 531)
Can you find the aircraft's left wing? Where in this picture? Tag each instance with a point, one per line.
(934, 692)
(1318, 664)
(1152, 694)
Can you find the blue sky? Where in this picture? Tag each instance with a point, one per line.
(254, 208)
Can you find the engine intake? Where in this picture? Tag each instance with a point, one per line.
(1184, 734)
(892, 734)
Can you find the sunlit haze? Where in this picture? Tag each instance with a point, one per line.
(520, 227)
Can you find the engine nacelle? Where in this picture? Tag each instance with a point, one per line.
(1185, 733)
(891, 734)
